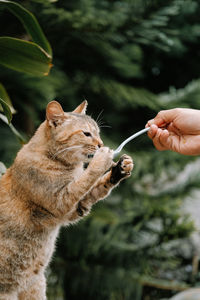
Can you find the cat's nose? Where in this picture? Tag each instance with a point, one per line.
(100, 144)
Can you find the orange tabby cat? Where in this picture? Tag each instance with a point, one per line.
(54, 181)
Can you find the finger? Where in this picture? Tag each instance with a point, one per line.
(174, 129)
(165, 139)
(165, 117)
(152, 131)
(160, 139)
(149, 123)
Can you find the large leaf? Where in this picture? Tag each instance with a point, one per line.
(4, 95)
(24, 56)
(6, 110)
(30, 24)
(43, 1)
(2, 169)
(14, 130)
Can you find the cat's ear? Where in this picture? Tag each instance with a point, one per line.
(81, 109)
(54, 113)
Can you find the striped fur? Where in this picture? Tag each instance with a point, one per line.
(47, 187)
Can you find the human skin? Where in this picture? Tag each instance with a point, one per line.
(176, 129)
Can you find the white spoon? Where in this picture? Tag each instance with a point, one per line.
(121, 146)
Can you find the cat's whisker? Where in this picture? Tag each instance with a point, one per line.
(66, 149)
(100, 123)
(99, 115)
(102, 126)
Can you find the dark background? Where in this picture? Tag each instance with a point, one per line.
(129, 59)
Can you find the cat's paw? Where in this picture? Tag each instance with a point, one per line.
(102, 160)
(126, 164)
(122, 169)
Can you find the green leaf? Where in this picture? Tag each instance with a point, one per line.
(4, 95)
(44, 1)
(2, 169)
(14, 130)
(6, 109)
(30, 23)
(24, 56)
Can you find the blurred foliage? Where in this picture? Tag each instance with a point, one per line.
(30, 57)
(129, 59)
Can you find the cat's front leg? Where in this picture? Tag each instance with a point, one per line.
(101, 162)
(121, 170)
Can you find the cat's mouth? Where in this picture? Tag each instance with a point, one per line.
(89, 158)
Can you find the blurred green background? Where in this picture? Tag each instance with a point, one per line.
(129, 59)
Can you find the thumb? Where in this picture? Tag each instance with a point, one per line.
(165, 117)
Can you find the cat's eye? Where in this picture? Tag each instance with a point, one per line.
(87, 133)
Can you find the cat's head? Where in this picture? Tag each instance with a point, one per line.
(73, 136)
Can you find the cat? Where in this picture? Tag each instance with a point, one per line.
(55, 179)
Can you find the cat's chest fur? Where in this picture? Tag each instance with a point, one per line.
(77, 172)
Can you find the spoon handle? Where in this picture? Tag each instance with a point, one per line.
(121, 146)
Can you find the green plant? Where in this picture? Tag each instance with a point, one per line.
(32, 57)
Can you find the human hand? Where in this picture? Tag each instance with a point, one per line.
(176, 129)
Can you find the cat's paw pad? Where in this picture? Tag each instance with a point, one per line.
(122, 169)
(126, 164)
